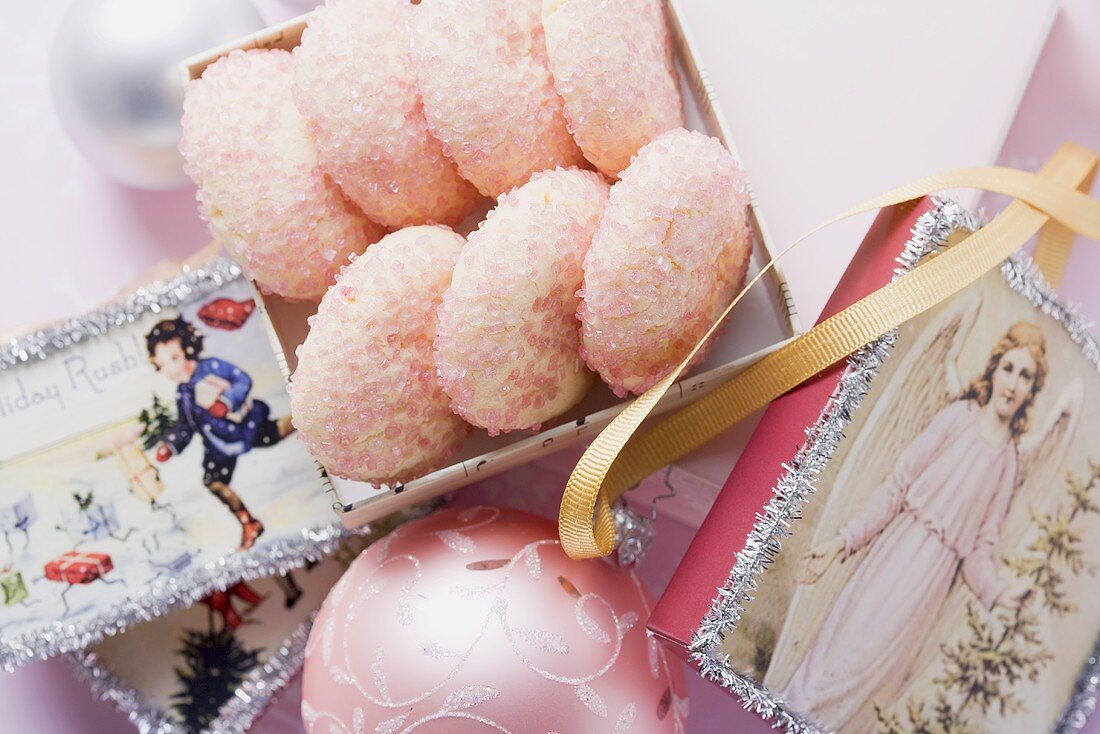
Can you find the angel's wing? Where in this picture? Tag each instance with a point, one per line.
(957, 332)
(1043, 449)
(925, 379)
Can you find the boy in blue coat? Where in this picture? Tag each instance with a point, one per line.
(213, 400)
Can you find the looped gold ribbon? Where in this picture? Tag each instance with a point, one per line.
(613, 462)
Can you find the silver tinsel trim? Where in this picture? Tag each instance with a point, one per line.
(1083, 702)
(1024, 277)
(192, 283)
(794, 488)
(172, 593)
(235, 717)
(148, 719)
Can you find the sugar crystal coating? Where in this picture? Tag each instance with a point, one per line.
(612, 64)
(247, 149)
(508, 342)
(671, 251)
(355, 85)
(365, 396)
(488, 95)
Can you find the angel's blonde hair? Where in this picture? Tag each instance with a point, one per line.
(1022, 334)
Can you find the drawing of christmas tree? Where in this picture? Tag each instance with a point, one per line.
(217, 663)
(981, 670)
(156, 421)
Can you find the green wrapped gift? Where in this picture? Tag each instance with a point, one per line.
(13, 587)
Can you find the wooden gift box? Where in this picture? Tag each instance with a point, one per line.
(765, 320)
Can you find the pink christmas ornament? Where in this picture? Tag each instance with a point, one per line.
(671, 251)
(612, 64)
(472, 621)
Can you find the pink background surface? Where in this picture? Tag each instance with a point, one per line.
(72, 237)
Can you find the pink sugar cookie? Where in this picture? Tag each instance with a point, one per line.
(247, 148)
(671, 251)
(355, 85)
(365, 397)
(488, 95)
(612, 64)
(508, 343)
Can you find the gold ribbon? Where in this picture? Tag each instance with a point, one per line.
(1055, 241)
(613, 463)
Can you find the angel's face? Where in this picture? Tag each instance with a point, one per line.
(1013, 381)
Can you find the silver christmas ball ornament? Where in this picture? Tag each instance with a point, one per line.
(116, 81)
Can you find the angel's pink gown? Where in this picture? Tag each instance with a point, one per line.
(938, 513)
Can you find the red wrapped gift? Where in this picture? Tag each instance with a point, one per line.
(76, 567)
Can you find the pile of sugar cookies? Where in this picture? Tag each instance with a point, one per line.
(337, 171)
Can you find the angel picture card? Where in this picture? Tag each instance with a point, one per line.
(910, 540)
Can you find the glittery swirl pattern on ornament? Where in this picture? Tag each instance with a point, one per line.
(365, 396)
(671, 251)
(488, 95)
(247, 149)
(508, 347)
(612, 64)
(502, 633)
(355, 85)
